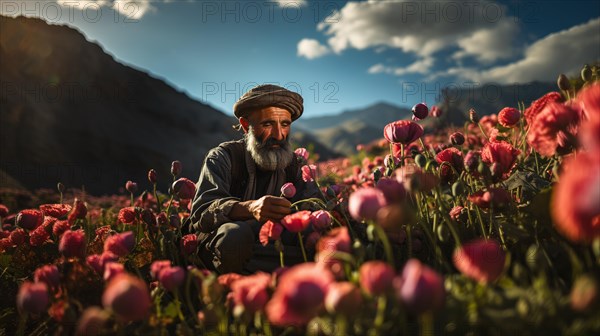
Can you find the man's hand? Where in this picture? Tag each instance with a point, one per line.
(268, 208)
(263, 209)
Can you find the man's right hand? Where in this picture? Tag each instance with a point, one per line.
(263, 209)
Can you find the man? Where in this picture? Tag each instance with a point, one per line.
(240, 184)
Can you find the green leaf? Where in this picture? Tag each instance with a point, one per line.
(171, 310)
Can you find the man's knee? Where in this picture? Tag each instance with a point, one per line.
(234, 246)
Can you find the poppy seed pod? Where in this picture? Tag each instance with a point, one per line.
(152, 177)
(563, 82)
(175, 168)
(457, 138)
(420, 111)
(586, 73)
(130, 186)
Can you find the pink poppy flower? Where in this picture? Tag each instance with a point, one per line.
(309, 173)
(420, 288)
(453, 157)
(250, 292)
(120, 244)
(393, 190)
(402, 132)
(589, 101)
(376, 277)
(365, 202)
(128, 297)
(576, 199)
(302, 152)
(481, 260)
(343, 298)
(92, 321)
(337, 239)
(299, 296)
(288, 190)
(509, 117)
(321, 220)
(158, 266)
(298, 221)
(112, 269)
(171, 277)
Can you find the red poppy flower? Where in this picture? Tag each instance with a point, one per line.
(189, 244)
(79, 211)
(72, 244)
(55, 210)
(481, 260)
(32, 297)
(127, 215)
(299, 296)
(553, 130)
(537, 106)
(120, 244)
(455, 158)
(502, 155)
(576, 198)
(509, 116)
(497, 197)
(402, 132)
(589, 101)
(297, 222)
(269, 231)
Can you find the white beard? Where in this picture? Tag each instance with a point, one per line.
(269, 159)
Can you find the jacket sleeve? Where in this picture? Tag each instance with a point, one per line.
(212, 202)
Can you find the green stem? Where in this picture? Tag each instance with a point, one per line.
(386, 243)
(313, 199)
(178, 306)
(302, 247)
(131, 201)
(281, 259)
(481, 222)
(379, 318)
(482, 131)
(169, 206)
(156, 198)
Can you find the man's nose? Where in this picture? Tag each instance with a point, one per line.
(278, 132)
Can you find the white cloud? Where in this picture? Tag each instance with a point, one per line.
(292, 3)
(562, 52)
(312, 49)
(422, 28)
(421, 66)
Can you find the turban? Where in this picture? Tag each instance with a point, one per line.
(266, 96)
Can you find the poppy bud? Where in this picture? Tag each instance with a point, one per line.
(32, 297)
(473, 116)
(72, 244)
(420, 160)
(128, 297)
(131, 186)
(29, 219)
(184, 188)
(420, 288)
(563, 82)
(457, 139)
(288, 190)
(175, 168)
(420, 111)
(436, 112)
(586, 73)
(171, 277)
(152, 176)
(365, 202)
(376, 277)
(92, 321)
(302, 152)
(47, 274)
(321, 220)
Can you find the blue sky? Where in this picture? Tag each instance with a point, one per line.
(339, 55)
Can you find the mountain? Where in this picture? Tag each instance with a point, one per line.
(488, 99)
(343, 131)
(69, 112)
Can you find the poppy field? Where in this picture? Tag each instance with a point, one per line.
(492, 228)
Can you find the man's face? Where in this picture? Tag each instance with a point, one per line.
(267, 133)
(269, 123)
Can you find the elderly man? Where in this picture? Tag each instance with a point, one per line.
(241, 182)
